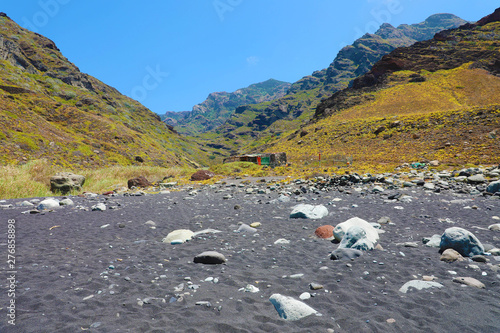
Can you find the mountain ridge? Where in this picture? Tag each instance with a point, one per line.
(51, 110)
(219, 106)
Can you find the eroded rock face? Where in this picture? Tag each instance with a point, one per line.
(65, 182)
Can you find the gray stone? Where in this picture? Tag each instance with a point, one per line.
(65, 182)
(494, 227)
(307, 211)
(433, 241)
(493, 187)
(182, 235)
(356, 238)
(48, 204)
(210, 258)
(100, 207)
(461, 240)
(469, 281)
(476, 179)
(289, 308)
(66, 202)
(246, 228)
(345, 254)
(341, 229)
(419, 285)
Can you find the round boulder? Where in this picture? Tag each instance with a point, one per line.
(461, 240)
(325, 231)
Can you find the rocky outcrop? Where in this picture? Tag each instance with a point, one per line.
(65, 182)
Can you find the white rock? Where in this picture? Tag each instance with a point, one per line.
(250, 289)
(419, 285)
(305, 296)
(282, 241)
(183, 235)
(66, 202)
(341, 229)
(291, 309)
(307, 211)
(100, 207)
(48, 204)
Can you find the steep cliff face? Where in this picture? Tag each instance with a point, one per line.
(49, 109)
(270, 119)
(477, 44)
(219, 106)
(434, 100)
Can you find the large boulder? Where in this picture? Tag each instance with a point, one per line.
(289, 308)
(140, 181)
(356, 238)
(341, 229)
(306, 211)
(461, 240)
(202, 175)
(65, 182)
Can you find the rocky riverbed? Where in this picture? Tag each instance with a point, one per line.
(238, 260)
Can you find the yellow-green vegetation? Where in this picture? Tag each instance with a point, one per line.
(33, 178)
(452, 137)
(50, 110)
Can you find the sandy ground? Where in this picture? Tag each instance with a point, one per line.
(75, 274)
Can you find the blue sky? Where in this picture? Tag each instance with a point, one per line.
(171, 54)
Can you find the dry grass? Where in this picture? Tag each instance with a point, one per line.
(33, 178)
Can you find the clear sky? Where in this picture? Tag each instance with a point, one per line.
(171, 54)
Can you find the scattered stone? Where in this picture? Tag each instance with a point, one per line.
(65, 182)
(48, 204)
(281, 241)
(182, 235)
(202, 175)
(391, 321)
(100, 207)
(66, 202)
(370, 232)
(429, 278)
(315, 286)
(356, 238)
(479, 258)
(469, 281)
(434, 241)
(494, 227)
(26, 204)
(450, 255)
(246, 228)
(289, 308)
(304, 296)
(307, 211)
(210, 258)
(250, 289)
(325, 231)
(476, 179)
(255, 225)
(345, 254)
(419, 285)
(408, 244)
(384, 220)
(493, 187)
(140, 181)
(463, 241)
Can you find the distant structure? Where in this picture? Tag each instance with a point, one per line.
(271, 159)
